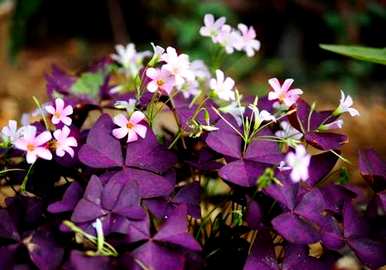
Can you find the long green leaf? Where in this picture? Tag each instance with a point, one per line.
(374, 55)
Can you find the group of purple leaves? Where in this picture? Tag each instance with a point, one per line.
(120, 193)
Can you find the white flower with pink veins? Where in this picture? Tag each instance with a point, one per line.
(130, 127)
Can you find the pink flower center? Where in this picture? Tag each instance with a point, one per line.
(130, 125)
(30, 147)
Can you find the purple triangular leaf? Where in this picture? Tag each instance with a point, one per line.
(71, 197)
(320, 166)
(148, 154)
(294, 229)
(373, 168)
(102, 150)
(261, 150)
(242, 172)
(225, 140)
(370, 252)
(354, 224)
(326, 140)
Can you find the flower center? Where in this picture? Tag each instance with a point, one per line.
(30, 147)
(130, 125)
(57, 114)
(160, 82)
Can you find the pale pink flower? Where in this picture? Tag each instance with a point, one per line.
(34, 145)
(178, 65)
(248, 40)
(130, 127)
(11, 133)
(236, 110)
(129, 58)
(200, 69)
(212, 27)
(229, 39)
(223, 87)
(345, 105)
(283, 93)
(190, 88)
(63, 142)
(60, 113)
(298, 162)
(161, 80)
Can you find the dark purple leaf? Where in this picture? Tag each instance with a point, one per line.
(242, 172)
(44, 252)
(354, 224)
(86, 211)
(79, 261)
(294, 229)
(370, 252)
(102, 150)
(175, 230)
(261, 150)
(70, 198)
(320, 166)
(8, 229)
(332, 235)
(153, 256)
(225, 140)
(311, 206)
(150, 184)
(373, 168)
(148, 154)
(262, 256)
(326, 140)
(58, 81)
(285, 194)
(254, 214)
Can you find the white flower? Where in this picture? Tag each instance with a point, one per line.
(260, 116)
(199, 69)
(178, 65)
(211, 27)
(333, 125)
(129, 106)
(223, 87)
(157, 52)
(235, 110)
(129, 58)
(288, 132)
(11, 133)
(63, 142)
(248, 40)
(345, 105)
(229, 39)
(299, 162)
(190, 88)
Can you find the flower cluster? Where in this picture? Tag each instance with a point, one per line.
(241, 39)
(170, 167)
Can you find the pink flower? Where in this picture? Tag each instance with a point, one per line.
(283, 92)
(298, 162)
(63, 142)
(161, 79)
(229, 39)
(131, 127)
(34, 145)
(211, 27)
(60, 113)
(248, 40)
(178, 65)
(11, 133)
(333, 125)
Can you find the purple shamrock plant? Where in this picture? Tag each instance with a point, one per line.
(152, 160)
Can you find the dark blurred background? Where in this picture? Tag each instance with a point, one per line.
(34, 34)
